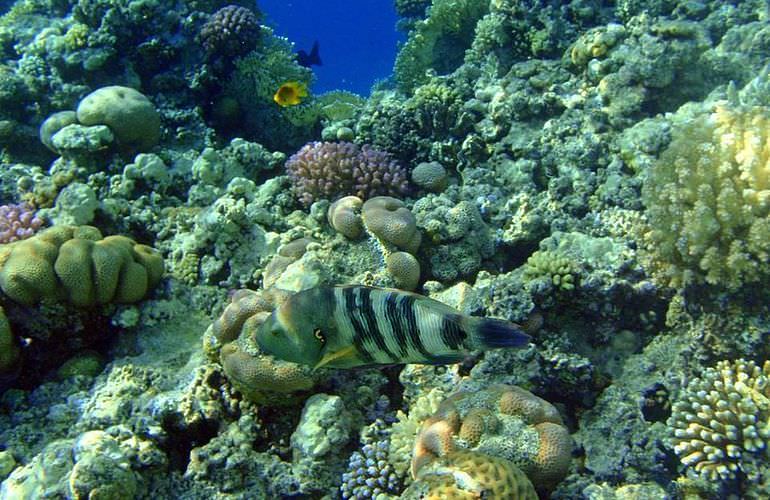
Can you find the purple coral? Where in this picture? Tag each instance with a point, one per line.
(231, 31)
(328, 170)
(18, 222)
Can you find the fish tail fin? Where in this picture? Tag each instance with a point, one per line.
(492, 333)
(315, 56)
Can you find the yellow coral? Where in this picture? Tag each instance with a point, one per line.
(708, 200)
(721, 422)
(471, 475)
(9, 349)
(504, 421)
(77, 264)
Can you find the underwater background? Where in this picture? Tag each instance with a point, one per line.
(177, 178)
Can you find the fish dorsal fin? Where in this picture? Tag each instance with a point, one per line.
(332, 356)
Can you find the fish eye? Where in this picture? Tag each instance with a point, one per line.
(317, 333)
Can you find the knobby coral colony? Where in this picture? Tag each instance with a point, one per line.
(601, 168)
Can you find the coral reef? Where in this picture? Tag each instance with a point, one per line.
(326, 170)
(18, 222)
(464, 474)
(231, 31)
(369, 474)
(706, 199)
(77, 264)
(501, 421)
(720, 421)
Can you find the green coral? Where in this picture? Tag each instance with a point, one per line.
(256, 78)
(77, 264)
(558, 269)
(721, 421)
(708, 200)
(438, 43)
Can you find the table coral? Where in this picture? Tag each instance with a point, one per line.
(708, 199)
(721, 422)
(76, 263)
(501, 421)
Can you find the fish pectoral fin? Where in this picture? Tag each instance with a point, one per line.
(348, 353)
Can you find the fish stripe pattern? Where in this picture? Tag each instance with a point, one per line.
(373, 333)
(451, 333)
(407, 314)
(391, 314)
(379, 303)
(349, 295)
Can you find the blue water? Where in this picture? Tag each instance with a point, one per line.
(358, 39)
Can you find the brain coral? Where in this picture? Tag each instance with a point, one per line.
(721, 422)
(708, 199)
(464, 474)
(327, 170)
(76, 263)
(501, 421)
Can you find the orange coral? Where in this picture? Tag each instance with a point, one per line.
(502, 421)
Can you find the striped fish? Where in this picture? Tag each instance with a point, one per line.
(350, 326)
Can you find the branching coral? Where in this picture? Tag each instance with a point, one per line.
(18, 222)
(708, 199)
(325, 170)
(721, 422)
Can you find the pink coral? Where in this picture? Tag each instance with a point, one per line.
(329, 170)
(18, 222)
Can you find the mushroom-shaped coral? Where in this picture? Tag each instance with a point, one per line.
(344, 216)
(465, 474)
(76, 263)
(391, 222)
(327, 170)
(721, 422)
(502, 421)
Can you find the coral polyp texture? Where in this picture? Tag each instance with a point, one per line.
(501, 421)
(721, 421)
(708, 199)
(231, 31)
(465, 474)
(328, 170)
(18, 222)
(369, 473)
(75, 263)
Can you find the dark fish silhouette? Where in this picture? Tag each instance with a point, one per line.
(307, 60)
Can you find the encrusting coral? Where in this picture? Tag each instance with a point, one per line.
(721, 422)
(76, 263)
(502, 421)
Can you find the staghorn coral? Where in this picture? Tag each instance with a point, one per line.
(18, 222)
(502, 421)
(327, 170)
(76, 263)
(464, 474)
(708, 200)
(721, 421)
(231, 31)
